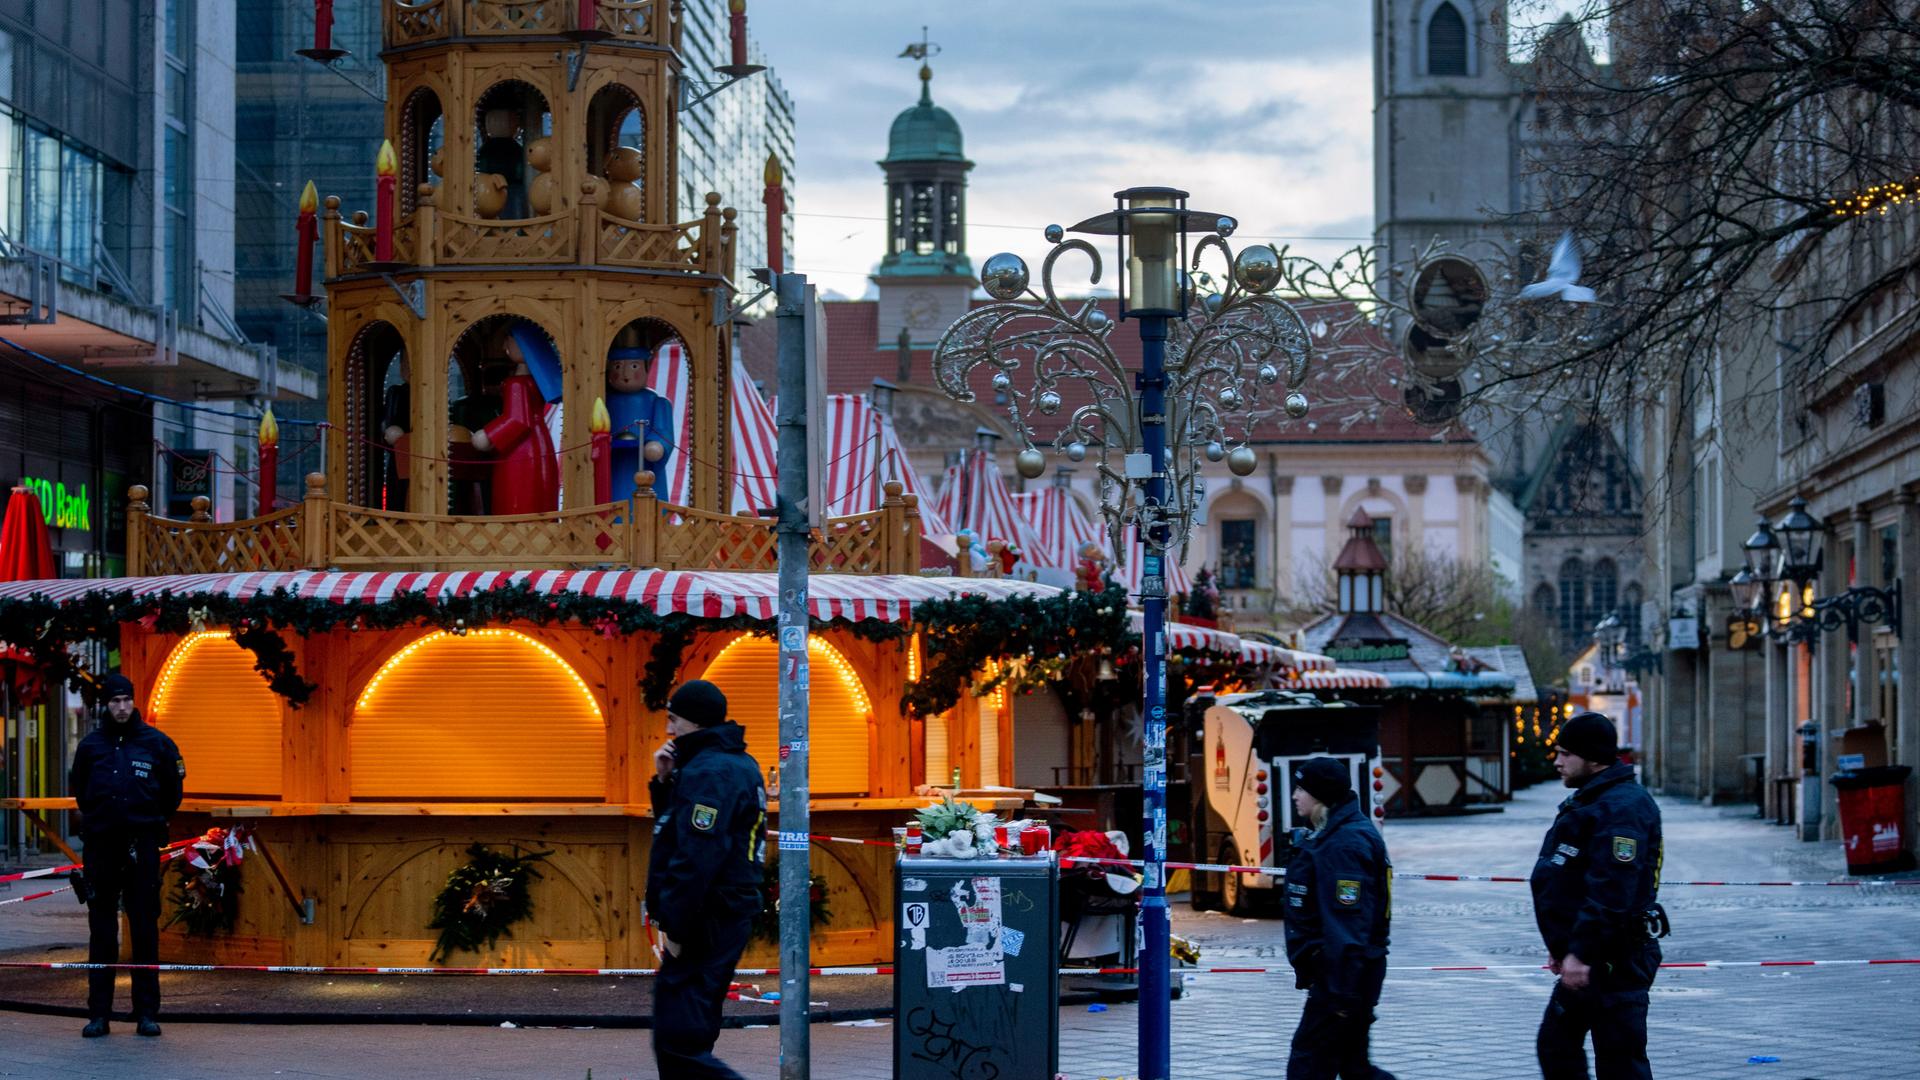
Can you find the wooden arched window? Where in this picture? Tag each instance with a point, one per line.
(422, 133)
(509, 116)
(1447, 42)
(617, 142)
(222, 716)
(379, 419)
(839, 710)
(486, 715)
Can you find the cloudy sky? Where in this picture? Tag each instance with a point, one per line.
(1259, 108)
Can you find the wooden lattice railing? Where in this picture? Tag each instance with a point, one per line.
(580, 234)
(414, 22)
(323, 534)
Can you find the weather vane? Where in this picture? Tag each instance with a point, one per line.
(921, 49)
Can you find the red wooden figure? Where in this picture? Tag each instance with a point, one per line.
(526, 478)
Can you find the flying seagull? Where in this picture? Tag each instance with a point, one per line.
(1563, 273)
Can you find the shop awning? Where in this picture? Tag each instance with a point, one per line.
(1340, 678)
(1186, 637)
(1281, 658)
(701, 593)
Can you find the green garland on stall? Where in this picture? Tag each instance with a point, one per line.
(258, 622)
(483, 900)
(960, 634)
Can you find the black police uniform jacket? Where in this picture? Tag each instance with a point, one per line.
(1338, 906)
(126, 776)
(709, 835)
(1599, 869)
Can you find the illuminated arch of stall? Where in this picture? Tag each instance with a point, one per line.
(840, 714)
(486, 715)
(221, 714)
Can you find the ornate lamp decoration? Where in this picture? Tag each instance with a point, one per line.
(1225, 360)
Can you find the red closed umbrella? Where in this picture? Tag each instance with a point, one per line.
(25, 553)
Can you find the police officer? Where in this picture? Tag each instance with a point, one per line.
(1338, 906)
(1594, 891)
(127, 778)
(703, 875)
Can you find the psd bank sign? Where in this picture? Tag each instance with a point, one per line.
(63, 507)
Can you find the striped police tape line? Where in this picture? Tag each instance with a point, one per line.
(1398, 875)
(175, 850)
(877, 969)
(35, 896)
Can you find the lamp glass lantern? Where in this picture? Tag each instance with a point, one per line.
(1610, 635)
(1151, 224)
(1746, 589)
(1762, 551)
(1799, 532)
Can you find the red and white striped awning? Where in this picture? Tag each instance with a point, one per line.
(1186, 637)
(1061, 524)
(863, 452)
(754, 439)
(1342, 679)
(1281, 658)
(701, 593)
(974, 497)
(1128, 575)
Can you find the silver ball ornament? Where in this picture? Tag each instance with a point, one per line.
(1214, 303)
(1296, 404)
(1215, 451)
(1048, 402)
(1004, 276)
(1097, 320)
(1242, 461)
(1055, 234)
(1225, 226)
(1229, 398)
(1257, 268)
(1002, 381)
(1076, 451)
(1268, 374)
(1030, 463)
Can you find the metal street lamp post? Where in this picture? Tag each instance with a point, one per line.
(1783, 562)
(1206, 363)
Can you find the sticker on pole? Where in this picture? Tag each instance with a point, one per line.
(980, 960)
(914, 918)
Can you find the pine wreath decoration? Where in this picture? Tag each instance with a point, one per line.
(206, 899)
(766, 925)
(483, 900)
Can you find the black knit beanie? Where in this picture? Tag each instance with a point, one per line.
(1326, 779)
(698, 702)
(115, 685)
(1590, 735)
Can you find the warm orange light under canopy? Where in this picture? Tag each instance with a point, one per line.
(486, 715)
(839, 711)
(222, 715)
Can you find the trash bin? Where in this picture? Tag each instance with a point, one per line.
(976, 992)
(1873, 805)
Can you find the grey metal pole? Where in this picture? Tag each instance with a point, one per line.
(793, 314)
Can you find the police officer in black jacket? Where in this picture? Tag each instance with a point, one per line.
(127, 778)
(703, 875)
(1339, 902)
(1594, 895)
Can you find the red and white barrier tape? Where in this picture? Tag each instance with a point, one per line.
(177, 849)
(1399, 875)
(35, 896)
(882, 969)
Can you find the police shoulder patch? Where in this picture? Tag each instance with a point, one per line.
(182, 763)
(1347, 891)
(703, 817)
(1625, 848)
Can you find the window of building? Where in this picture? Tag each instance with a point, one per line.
(176, 162)
(921, 225)
(1446, 42)
(1237, 565)
(951, 230)
(1573, 602)
(1383, 537)
(1630, 614)
(1604, 596)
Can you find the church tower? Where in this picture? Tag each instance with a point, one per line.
(1443, 124)
(925, 278)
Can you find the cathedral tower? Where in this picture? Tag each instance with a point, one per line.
(925, 278)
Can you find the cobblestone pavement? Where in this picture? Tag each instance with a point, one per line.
(1826, 1023)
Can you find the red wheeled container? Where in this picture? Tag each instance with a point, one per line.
(1873, 806)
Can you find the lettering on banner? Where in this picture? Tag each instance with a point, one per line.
(794, 841)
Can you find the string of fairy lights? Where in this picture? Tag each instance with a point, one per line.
(1878, 199)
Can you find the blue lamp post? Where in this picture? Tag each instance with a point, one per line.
(1151, 434)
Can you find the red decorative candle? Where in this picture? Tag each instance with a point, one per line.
(270, 455)
(306, 231)
(775, 198)
(737, 23)
(387, 168)
(322, 25)
(589, 15)
(601, 427)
